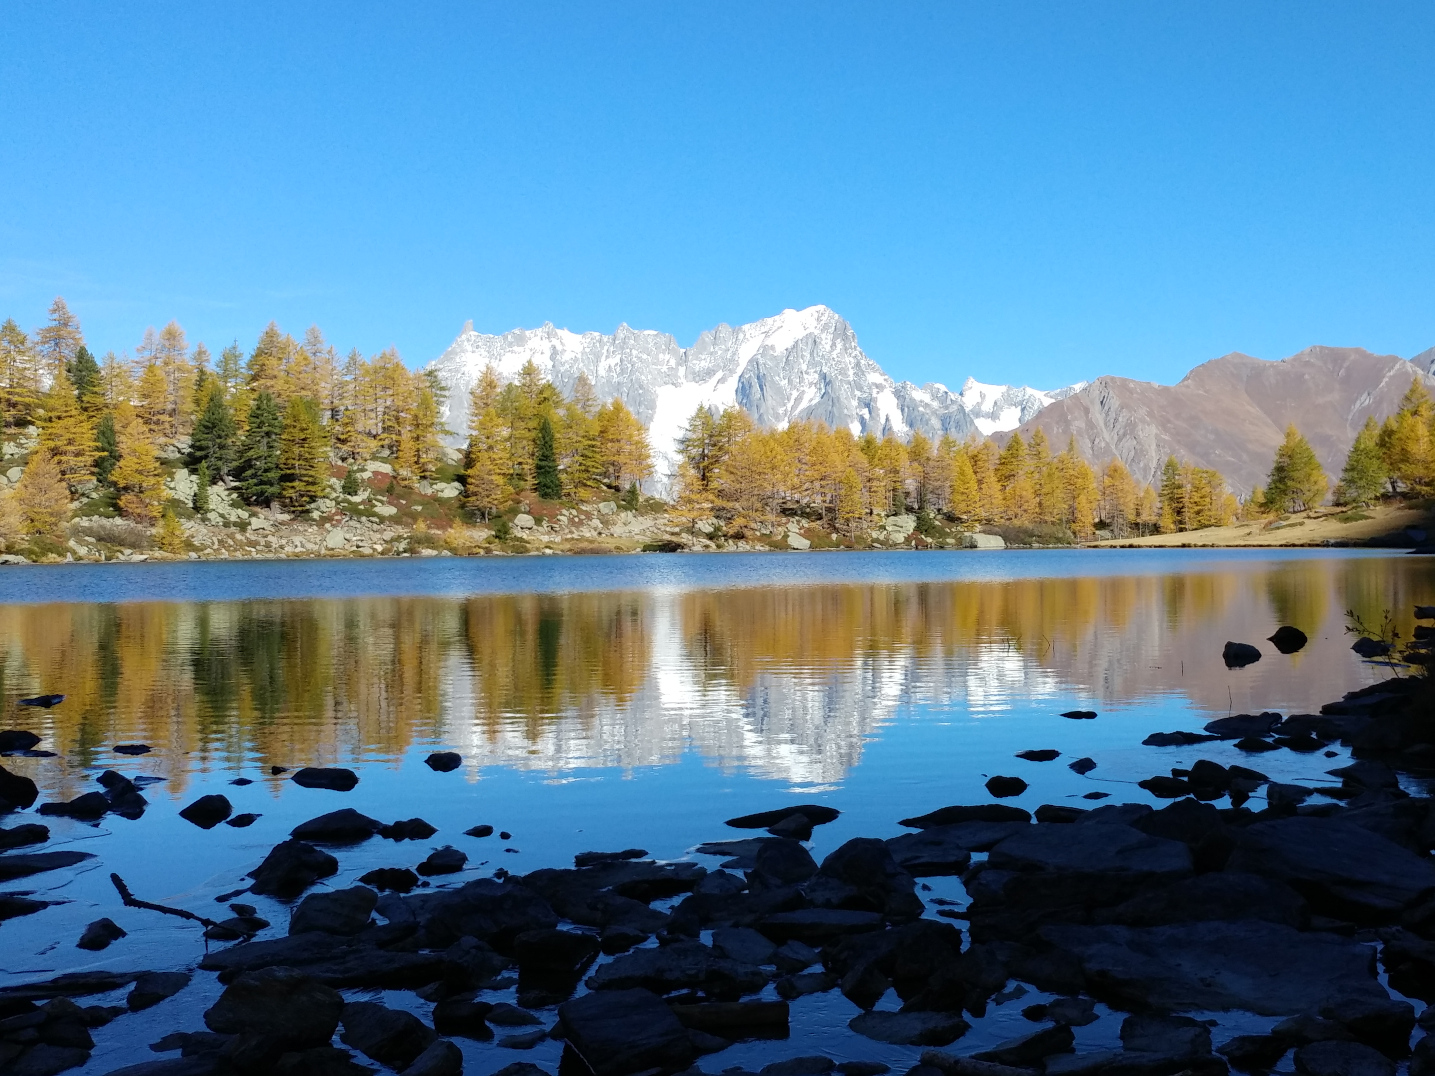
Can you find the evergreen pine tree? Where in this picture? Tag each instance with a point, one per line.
(84, 374)
(213, 436)
(107, 447)
(303, 454)
(1365, 474)
(546, 482)
(258, 466)
(350, 486)
(1296, 481)
(41, 496)
(202, 480)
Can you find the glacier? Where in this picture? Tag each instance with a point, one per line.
(797, 365)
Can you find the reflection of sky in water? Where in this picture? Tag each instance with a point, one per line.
(641, 715)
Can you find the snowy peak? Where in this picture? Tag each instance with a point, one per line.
(997, 408)
(795, 366)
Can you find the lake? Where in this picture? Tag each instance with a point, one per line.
(612, 702)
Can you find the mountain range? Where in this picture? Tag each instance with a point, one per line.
(1228, 414)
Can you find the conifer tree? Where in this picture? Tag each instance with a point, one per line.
(303, 454)
(153, 402)
(169, 535)
(850, 509)
(66, 432)
(84, 373)
(965, 496)
(19, 377)
(1296, 481)
(212, 441)
(11, 526)
(107, 448)
(258, 464)
(42, 497)
(60, 339)
(230, 371)
(1407, 440)
(136, 476)
(546, 482)
(1364, 476)
(202, 481)
(623, 455)
(487, 485)
(1173, 497)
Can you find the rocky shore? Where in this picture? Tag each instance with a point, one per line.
(1311, 908)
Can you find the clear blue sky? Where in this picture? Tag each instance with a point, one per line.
(1021, 192)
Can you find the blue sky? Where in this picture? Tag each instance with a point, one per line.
(1020, 192)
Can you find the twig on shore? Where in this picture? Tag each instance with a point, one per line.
(132, 901)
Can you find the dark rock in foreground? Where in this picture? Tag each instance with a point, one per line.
(1002, 787)
(910, 1028)
(1287, 639)
(278, 1004)
(344, 826)
(336, 779)
(981, 812)
(444, 761)
(290, 868)
(815, 814)
(99, 935)
(1239, 655)
(207, 811)
(17, 740)
(624, 1031)
(389, 1036)
(22, 866)
(344, 912)
(19, 836)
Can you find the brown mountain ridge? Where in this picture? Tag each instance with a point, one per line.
(1230, 413)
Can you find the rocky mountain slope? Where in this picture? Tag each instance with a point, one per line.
(800, 364)
(1231, 412)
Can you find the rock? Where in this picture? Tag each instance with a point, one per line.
(99, 934)
(1342, 1059)
(1082, 765)
(89, 807)
(335, 539)
(1342, 869)
(1241, 725)
(13, 907)
(792, 987)
(43, 1059)
(1253, 1053)
(43, 701)
(22, 866)
(1050, 812)
(155, 986)
(1226, 895)
(1371, 648)
(983, 812)
(523, 521)
(1287, 639)
(442, 1058)
(1261, 967)
(239, 926)
(686, 965)
(862, 875)
(795, 956)
(523, 1040)
(479, 831)
(17, 740)
(290, 868)
(1367, 773)
(242, 821)
(625, 1031)
(1176, 739)
(444, 761)
(593, 859)
(207, 811)
(796, 541)
(462, 1015)
(446, 860)
(1308, 1027)
(1168, 1036)
(1284, 795)
(389, 1036)
(744, 945)
(1080, 715)
(281, 1004)
(936, 851)
(336, 779)
(1003, 787)
(344, 826)
(133, 749)
(395, 879)
(1254, 744)
(19, 836)
(910, 1028)
(343, 911)
(1239, 655)
(1166, 788)
(782, 862)
(1091, 847)
(796, 826)
(1074, 1012)
(815, 1065)
(1029, 1050)
(410, 829)
(1383, 1023)
(814, 813)
(1039, 755)
(736, 1019)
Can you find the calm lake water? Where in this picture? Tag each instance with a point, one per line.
(612, 702)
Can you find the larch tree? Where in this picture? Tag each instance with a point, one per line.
(258, 465)
(1296, 481)
(1119, 496)
(169, 535)
(965, 499)
(66, 432)
(19, 377)
(11, 526)
(622, 446)
(60, 339)
(1364, 475)
(136, 476)
(153, 402)
(486, 485)
(41, 496)
(303, 454)
(1407, 441)
(1173, 497)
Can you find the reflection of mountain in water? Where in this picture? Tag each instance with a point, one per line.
(787, 683)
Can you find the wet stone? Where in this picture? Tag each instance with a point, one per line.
(956, 815)
(343, 911)
(1004, 787)
(17, 740)
(155, 986)
(394, 879)
(444, 761)
(20, 836)
(336, 779)
(290, 868)
(282, 1004)
(910, 1028)
(344, 826)
(625, 1031)
(207, 811)
(100, 935)
(411, 829)
(479, 831)
(389, 1036)
(446, 860)
(1039, 755)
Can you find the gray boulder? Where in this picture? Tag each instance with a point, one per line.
(344, 911)
(290, 868)
(281, 1004)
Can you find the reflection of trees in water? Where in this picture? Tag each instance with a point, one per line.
(788, 681)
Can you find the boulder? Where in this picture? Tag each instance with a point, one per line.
(342, 911)
(982, 812)
(1004, 787)
(685, 965)
(444, 761)
(744, 945)
(781, 862)
(26, 864)
(1253, 1053)
(936, 851)
(1028, 1050)
(1371, 648)
(155, 986)
(910, 1028)
(208, 811)
(43, 1059)
(1342, 1059)
(735, 1020)
(616, 1032)
(818, 924)
(1287, 639)
(17, 740)
(1168, 1036)
(1051, 812)
(290, 868)
(408, 829)
(87, 808)
(813, 1065)
(1239, 655)
(99, 935)
(1220, 895)
(817, 814)
(494, 912)
(593, 859)
(441, 1058)
(242, 821)
(1342, 869)
(862, 875)
(462, 1015)
(446, 860)
(389, 1036)
(394, 879)
(336, 779)
(1044, 754)
(133, 749)
(1082, 766)
(1240, 725)
(479, 831)
(19, 836)
(1176, 739)
(281, 1004)
(1166, 788)
(1090, 847)
(1261, 967)
(1383, 1023)
(1080, 715)
(344, 826)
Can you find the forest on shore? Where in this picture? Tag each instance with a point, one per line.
(291, 424)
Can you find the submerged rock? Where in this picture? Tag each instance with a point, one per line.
(1003, 787)
(290, 868)
(1287, 639)
(910, 1028)
(155, 986)
(208, 811)
(344, 826)
(100, 934)
(1239, 655)
(336, 779)
(444, 761)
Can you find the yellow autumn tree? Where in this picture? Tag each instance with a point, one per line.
(67, 433)
(136, 476)
(41, 496)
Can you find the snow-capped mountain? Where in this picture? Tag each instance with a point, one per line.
(996, 408)
(800, 364)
